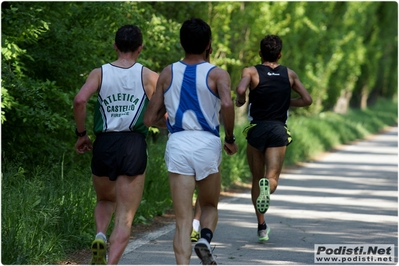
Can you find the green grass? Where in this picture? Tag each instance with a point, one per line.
(48, 211)
(44, 214)
(314, 135)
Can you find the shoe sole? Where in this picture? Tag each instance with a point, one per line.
(261, 239)
(263, 201)
(98, 250)
(194, 238)
(204, 254)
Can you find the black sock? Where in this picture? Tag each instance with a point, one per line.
(207, 234)
(262, 226)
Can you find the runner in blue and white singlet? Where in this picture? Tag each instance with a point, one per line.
(192, 93)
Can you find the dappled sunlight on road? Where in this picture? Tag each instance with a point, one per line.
(340, 216)
(334, 191)
(339, 201)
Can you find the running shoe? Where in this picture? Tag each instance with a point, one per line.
(204, 252)
(195, 236)
(263, 235)
(263, 201)
(99, 251)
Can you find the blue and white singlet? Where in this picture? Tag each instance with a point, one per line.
(190, 103)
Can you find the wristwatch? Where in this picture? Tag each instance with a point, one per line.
(240, 103)
(230, 141)
(80, 134)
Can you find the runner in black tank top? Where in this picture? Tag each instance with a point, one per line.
(270, 87)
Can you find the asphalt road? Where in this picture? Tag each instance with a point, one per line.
(348, 197)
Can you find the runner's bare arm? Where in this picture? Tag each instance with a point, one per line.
(155, 115)
(150, 79)
(305, 99)
(223, 86)
(91, 86)
(245, 82)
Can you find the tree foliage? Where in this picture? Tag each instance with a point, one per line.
(343, 52)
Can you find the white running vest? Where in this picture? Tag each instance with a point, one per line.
(121, 100)
(189, 102)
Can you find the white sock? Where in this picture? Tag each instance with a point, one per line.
(101, 235)
(196, 225)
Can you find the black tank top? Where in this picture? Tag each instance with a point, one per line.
(270, 100)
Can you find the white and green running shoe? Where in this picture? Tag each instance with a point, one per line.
(263, 201)
(263, 235)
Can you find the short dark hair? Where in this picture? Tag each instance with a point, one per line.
(195, 35)
(271, 47)
(128, 38)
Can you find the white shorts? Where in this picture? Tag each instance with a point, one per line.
(195, 153)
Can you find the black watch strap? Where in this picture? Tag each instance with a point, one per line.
(80, 134)
(230, 141)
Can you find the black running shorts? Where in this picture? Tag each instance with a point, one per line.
(119, 153)
(268, 134)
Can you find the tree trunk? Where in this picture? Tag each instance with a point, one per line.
(363, 98)
(342, 104)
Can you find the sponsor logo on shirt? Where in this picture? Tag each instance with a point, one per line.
(273, 74)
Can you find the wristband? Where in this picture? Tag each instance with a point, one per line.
(80, 134)
(230, 141)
